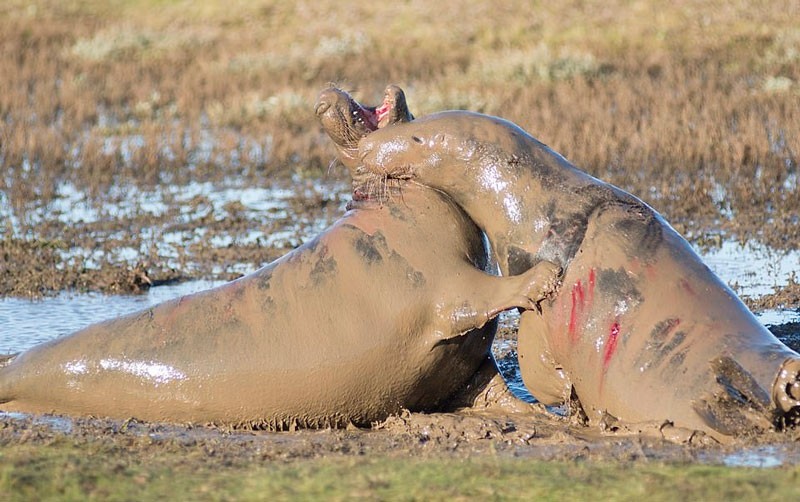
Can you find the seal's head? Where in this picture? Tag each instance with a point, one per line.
(394, 109)
(347, 121)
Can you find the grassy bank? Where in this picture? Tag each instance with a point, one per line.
(65, 472)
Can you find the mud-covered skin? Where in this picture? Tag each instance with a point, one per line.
(641, 328)
(386, 310)
(346, 121)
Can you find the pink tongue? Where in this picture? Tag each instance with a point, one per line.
(382, 111)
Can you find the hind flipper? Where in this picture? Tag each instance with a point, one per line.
(786, 389)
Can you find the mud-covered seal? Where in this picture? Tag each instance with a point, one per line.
(386, 310)
(641, 329)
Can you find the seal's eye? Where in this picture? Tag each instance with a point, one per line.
(417, 139)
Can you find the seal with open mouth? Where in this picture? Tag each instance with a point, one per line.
(641, 329)
(385, 310)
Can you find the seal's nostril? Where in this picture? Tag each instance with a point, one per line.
(322, 107)
(417, 139)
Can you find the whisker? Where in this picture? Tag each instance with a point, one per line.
(331, 165)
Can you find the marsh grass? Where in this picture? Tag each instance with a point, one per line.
(692, 106)
(66, 472)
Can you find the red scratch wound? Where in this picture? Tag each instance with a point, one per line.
(582, 299)
(577, 307)
(611, 345)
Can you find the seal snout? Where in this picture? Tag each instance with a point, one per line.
(325, 100)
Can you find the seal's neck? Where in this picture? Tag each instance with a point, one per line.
(493, 198)
(501, 219)
(517, 205)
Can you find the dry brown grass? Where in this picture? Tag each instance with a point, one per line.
(693, 105)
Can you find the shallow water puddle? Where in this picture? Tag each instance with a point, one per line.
(54, 422)
(752, 269)
(25, 323)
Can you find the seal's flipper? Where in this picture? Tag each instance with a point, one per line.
(545, 380)
(741, 404)
(739, 384)
(484, 296)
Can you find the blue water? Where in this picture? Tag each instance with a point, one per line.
(25, 323)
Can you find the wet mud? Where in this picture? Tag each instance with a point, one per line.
(529, 430)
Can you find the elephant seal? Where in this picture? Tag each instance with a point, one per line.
(387, 309)
(641, 330)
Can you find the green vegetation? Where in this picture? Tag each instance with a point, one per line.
(65, 472)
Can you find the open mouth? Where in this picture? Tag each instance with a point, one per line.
(371, 117)
(365, 115)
